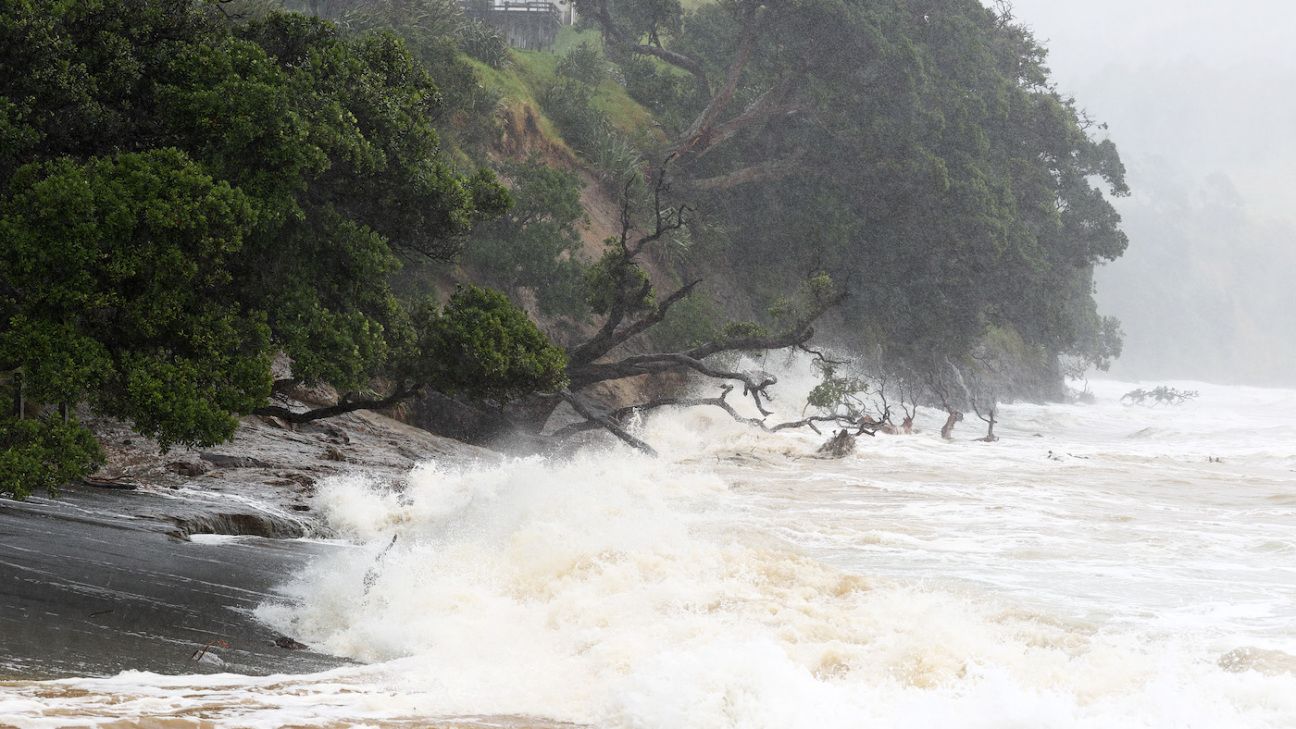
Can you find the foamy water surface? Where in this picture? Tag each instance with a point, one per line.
(1094, 568)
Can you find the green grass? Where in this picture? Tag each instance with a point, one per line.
(531, 72)
(569, 37)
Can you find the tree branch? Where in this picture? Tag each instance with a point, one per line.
(766, 106)
(598, 10)
(700, 129)
(621, 414)
(611, 334)
(763, 172)
(605, 422)
(800, 333)
(603, 343)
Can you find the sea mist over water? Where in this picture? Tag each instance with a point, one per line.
(1198, 97)
(1104, 574)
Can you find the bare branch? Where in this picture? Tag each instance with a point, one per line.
(646, 364)
(819, 355)
(606, 423)
(622, 414)
(612, 334)
(610, 337)
(765, 107)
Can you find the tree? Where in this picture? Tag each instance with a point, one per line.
(478, 345)
(535, 246)
(275, 173)
(918, 146)
(43, 454)
(121, 294)
(623, 292)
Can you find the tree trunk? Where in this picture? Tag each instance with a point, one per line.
(990, 437)
(947, 429)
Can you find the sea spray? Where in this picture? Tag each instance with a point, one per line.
(742, 582)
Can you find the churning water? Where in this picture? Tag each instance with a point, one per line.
(1101, 566)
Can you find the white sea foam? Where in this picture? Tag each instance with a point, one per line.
(1104, 574)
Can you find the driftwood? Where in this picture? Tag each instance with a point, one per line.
(371, 574)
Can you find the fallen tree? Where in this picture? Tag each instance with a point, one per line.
(519, 394)
(624, 293)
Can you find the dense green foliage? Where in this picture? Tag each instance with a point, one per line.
(917, 149)
(123, 296)
(188, 191)
(184, 196)
(43, 454)
(535, 246)
(488, 348)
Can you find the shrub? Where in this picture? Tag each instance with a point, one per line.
(484, 43)
(583, 64)
(536, 244)
(44, 453)
(570, 105)
(482, 346)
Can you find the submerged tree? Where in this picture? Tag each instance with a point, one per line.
(1160, 395)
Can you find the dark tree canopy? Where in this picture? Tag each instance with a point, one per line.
(192, 188)
(183, 196)
(917, 149)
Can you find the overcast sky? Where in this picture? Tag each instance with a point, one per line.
(1088, 33)
(1208, 84)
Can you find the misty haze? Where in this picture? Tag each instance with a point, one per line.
(1194, 95)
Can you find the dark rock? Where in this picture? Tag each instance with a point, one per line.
(189, 468)
(114, 593)
(238, 524)
(287, 643)
(330, 431)
(100, 483)
(224, 460)
(293, 478)
(333, 454)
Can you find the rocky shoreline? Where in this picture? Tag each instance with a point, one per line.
(117, 574)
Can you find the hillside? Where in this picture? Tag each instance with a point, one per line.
(207, 206)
